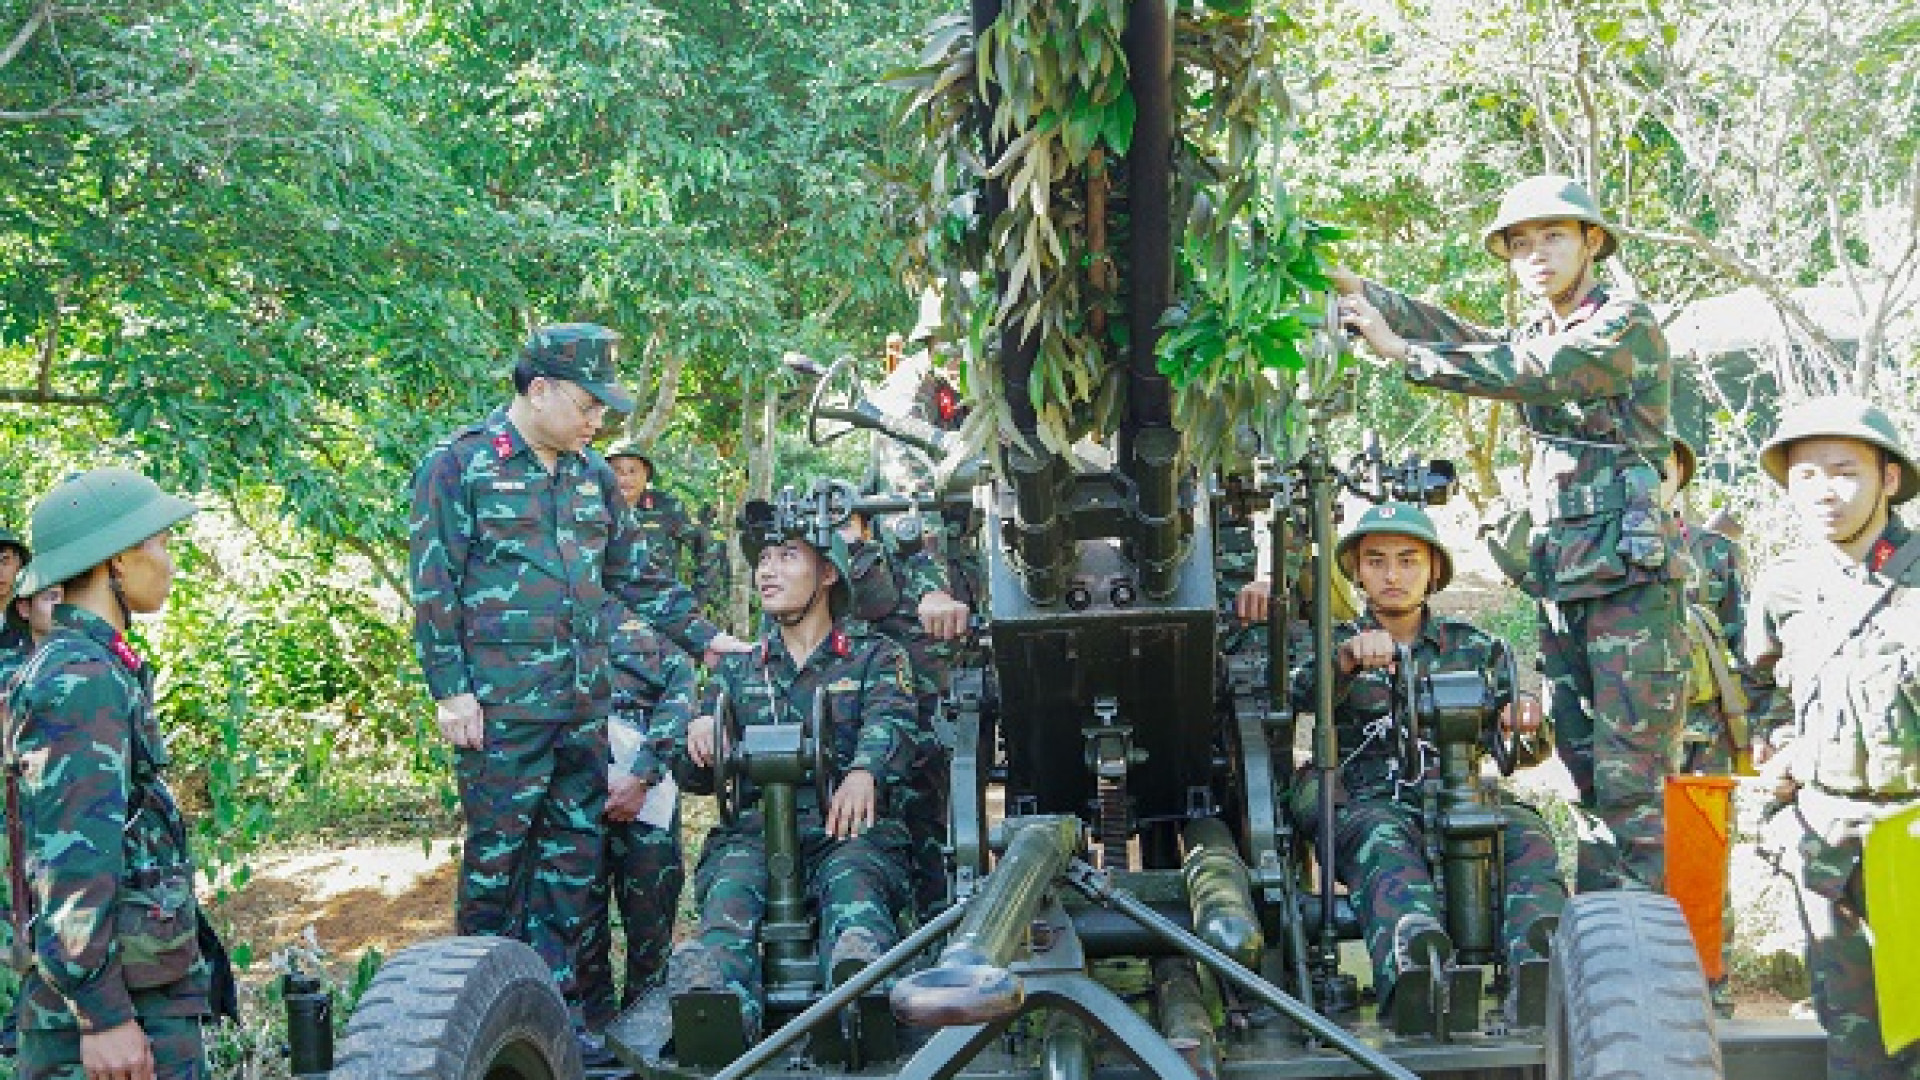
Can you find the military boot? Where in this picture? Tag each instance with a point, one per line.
(711, 1025)
(1421, 998)
(867, 1030)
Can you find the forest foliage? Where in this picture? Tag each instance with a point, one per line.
(270, 252)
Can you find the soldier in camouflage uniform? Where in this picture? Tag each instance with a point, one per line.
(1395, 557)
(906, 599)
(519, 552)
(1716, 590)
(1593, 380)
(1837, 624)
(119, 983)
(654, 687)
(855, 850)
(676, 547)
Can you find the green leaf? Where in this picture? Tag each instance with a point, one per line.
(1117, 126)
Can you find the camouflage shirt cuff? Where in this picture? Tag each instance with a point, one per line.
(103, 1003)
(447, 682)
(647, 765)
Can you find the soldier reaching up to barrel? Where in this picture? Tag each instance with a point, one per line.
(1395, 557)
(1593, 380)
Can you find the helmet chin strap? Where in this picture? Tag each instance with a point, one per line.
(1879, 496)
(795, 618)
(119, 596)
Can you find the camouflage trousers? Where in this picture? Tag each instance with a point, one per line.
(179, 1051)
(532, 799)
(1615, 673)
(642, 873)
(1839, 945)
(862, 882)
(1380, 852)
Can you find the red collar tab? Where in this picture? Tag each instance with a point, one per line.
(946, 402)
(760, 655)
(125, 652)
(503, 446)
(646, 500)
(839, 643)
(1883, 550)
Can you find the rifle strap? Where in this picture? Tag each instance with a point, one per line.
(1863, 610)
(1733, 699)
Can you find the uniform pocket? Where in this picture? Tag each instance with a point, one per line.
(158, 932)
(1586, 550)
(511, 652)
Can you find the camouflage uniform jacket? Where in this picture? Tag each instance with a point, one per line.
(674, 544)
(1596, 394)
(1856, 696)
(870, 709)
(1363, 703)
(887, 591)
(115, 917)
(513, 568)
(1716, 580)
(654, 688)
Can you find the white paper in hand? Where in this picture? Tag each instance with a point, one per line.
(662, 799)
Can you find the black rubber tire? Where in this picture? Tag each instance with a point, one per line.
(1626, 998)
(465, 1008)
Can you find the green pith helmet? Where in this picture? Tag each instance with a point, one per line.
(87, 519)
(580, 353)
(1841, 416)
(1398, 519)
(11, 539)
(632, 448)
(755, 535)
(1685, 460)
(1547, 198)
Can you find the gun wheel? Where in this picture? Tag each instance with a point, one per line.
(465, 1008)
(1626, 997)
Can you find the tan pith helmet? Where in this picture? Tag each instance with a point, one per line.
(1547, 198)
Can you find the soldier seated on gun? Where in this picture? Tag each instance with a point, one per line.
(855, 850)
(1395, 557)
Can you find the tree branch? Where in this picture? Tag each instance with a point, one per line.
(13, 395)
(25, 34)
(1734, 265)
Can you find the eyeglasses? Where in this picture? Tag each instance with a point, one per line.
(594, 409)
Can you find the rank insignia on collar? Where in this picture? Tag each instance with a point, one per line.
(503, 446)
(839, 643)
(646, 500)
(125, 652)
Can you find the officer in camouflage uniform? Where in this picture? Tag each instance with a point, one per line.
(654, 687)
(1837, 624)
(15, 640)
(1593, 380)
(118, 984)
(1395, 556)
(676, 547)
(854, 851)
(14, 556)
(906, 599)
(519, 551)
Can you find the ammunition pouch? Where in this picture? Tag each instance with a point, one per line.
(1874, 747)
(157, 927)
(1643, 524)
(1830, 867)
(1507, 532)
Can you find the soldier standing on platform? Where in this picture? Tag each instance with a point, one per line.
(676, 547)
(1593, 380)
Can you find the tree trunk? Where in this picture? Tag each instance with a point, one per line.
(646, 429)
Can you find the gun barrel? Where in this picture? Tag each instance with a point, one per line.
(971, 983)
(1220, 892)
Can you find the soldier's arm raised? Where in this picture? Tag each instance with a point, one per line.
(667, 727)
(1596, 358)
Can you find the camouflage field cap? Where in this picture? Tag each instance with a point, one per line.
(87, 519)
(1841, 416)
(580, 353)
(1397, 519)
(1547, 198)
(1686, 460)
(631, 448)
(758, 532)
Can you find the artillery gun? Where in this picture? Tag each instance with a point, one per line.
(1127, 890)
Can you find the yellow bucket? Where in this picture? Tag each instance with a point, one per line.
(1699, 834)
(1892, 869)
